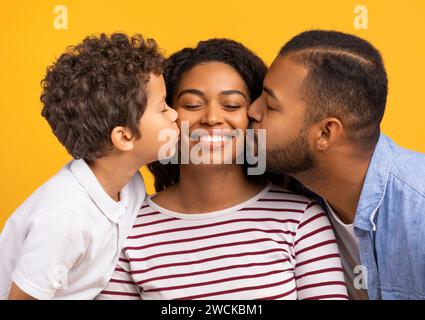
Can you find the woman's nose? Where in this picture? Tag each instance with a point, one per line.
(213, 115)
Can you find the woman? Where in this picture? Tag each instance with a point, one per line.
(213, 232)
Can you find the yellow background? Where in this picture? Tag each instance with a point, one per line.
(30, 154)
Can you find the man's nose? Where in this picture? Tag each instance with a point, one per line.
(254, 110)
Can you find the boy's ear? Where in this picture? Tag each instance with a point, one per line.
(122, 138)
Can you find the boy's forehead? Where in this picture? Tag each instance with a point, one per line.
(156, 82)
(155, 88)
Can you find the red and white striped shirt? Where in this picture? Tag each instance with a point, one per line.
(276, 245)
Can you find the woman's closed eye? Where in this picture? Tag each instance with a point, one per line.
(232, 107)
(192, 106)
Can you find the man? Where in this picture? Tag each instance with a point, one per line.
(323, 101)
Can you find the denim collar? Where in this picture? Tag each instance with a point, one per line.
(375, 185)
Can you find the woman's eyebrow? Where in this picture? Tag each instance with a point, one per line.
(191, 91)
(229, 92)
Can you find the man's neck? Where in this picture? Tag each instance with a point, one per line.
(339, 182)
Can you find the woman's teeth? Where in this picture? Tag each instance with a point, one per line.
(214, 138)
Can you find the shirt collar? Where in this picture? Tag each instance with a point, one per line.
(112, 209)
(375, 184)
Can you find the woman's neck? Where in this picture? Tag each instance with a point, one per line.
(208, 188)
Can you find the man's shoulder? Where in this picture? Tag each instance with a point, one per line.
(408, 168)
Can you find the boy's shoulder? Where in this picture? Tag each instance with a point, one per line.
(61, 192)
(58, 207)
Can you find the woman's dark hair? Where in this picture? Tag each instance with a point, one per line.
(245, 62)
(97, 85)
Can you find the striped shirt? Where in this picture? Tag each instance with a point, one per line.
(276, 245)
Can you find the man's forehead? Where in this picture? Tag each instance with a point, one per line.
(285, 71)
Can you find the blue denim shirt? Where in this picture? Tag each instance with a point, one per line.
(390, 223)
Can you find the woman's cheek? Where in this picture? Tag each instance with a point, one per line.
(188, 119)
(240, 120)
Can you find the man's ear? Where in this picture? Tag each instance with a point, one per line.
(122, 138)
(327, 133)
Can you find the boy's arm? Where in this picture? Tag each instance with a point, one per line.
(17, 294)
(55, 241)
(121, 286)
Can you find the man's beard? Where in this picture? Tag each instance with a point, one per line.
(291, 159)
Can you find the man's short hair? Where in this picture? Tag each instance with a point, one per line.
(346, 79)
(96, 86)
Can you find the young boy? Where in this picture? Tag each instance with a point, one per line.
(105, 102)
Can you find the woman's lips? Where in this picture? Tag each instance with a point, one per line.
(208, 140)
(214, 141)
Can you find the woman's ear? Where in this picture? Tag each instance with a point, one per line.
(328, 133)
(122, 138)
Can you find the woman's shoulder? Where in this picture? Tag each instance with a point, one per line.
(294, 204)
(282, 193)
(162, 198)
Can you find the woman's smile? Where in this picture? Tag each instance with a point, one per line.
(212, 139)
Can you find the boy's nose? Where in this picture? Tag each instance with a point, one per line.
(174, 114)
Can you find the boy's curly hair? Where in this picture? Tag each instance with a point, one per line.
(97, 85)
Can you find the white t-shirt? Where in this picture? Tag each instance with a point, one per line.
(64, 241)
(350, 254)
